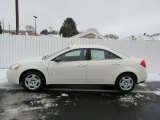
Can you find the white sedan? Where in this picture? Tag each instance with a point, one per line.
(79, 64)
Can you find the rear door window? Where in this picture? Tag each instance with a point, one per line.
(98, 54)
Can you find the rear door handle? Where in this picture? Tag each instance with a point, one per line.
(81, 65)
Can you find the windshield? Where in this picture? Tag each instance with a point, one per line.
(52, 54)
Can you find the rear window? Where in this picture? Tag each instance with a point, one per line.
(98, 54)
(113, 56)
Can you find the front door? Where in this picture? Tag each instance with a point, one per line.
(72, 68)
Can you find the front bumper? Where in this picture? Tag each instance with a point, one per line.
(13, 75)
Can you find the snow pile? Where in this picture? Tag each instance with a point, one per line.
(157, 93)
(64, 95)
(3, 76)
(142, 84)
(139, 96)
(153, 77)
(67, 101)
(143, 37)
(42, 95)
(47, 103)
(12, 112)
(128, 99)
(132, 99)
(20, 103)
(43, 101)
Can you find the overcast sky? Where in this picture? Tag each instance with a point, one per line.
(120, 17)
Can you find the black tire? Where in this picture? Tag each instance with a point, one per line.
(132, 82)
(40, 78)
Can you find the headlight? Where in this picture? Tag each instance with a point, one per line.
(14, 66)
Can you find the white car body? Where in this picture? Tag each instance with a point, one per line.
(80, 72)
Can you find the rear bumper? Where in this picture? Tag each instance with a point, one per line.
(142, 76)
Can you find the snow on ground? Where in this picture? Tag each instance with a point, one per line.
(157, 92)
(3, 75)
(64, 95)
(128, 99)
(142, 85)
(132, 99)
(21, 102)
(152, 77)
(4, 82)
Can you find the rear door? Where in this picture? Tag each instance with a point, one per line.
(103, 66)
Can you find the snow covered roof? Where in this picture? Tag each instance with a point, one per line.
(90, 33)
(143, 37)
(156, 36)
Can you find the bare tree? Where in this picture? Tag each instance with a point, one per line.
(29, 28)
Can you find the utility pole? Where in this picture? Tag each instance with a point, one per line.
(17, 17)
(1, 30)
(35, 24)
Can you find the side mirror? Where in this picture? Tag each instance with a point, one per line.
(58, 59)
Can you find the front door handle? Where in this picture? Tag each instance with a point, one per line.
(81, 65)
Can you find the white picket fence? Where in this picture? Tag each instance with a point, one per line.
(13, 48)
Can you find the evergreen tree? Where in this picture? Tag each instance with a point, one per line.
(0, 28)
(68, 28)
(44, 32)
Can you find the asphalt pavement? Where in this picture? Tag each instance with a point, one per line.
(74, 102)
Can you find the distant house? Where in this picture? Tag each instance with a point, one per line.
(90, 33)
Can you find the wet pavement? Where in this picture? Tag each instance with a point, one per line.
(81, 103)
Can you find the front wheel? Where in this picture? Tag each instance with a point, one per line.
(125, 82)
(32, 81)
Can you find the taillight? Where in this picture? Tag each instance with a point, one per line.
(143, 63)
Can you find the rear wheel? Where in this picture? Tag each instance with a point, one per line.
(125, 82)
(32, 81)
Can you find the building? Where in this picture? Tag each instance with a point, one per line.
(90, 33)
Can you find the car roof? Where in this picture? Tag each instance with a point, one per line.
(89, 46)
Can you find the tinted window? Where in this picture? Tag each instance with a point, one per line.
(113, 56)
(98, 54)
(107, 54)
(75, 55)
